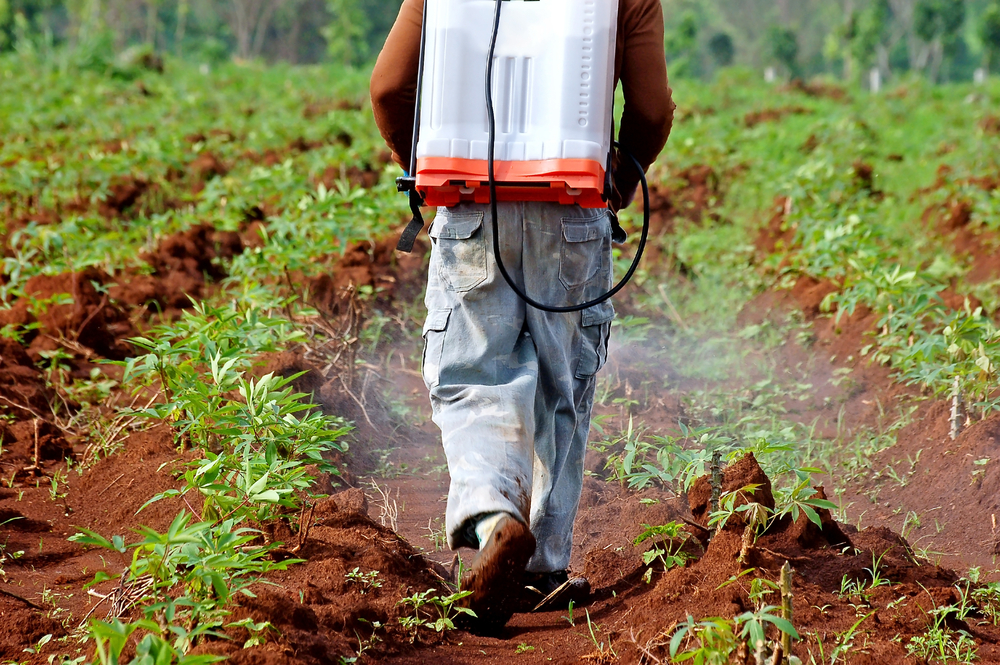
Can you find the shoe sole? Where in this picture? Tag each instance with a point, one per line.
(502, 559)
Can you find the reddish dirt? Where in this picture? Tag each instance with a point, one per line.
(366, 264)
(938, 479)
(990, 125)
(180, 264)
(365, 176)
(203, 168)
(819, 89)
(755, 118)
(972, 242)
(23, 390)
(69, 309)
(317, 108)
(323, 617)
(691, 194)
(122, 196)
(777, 235)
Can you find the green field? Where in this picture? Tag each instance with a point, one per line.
(821, 290)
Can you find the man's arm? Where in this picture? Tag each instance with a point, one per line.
(649, 108)
(394, 81)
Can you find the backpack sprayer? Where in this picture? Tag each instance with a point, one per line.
(555, 97)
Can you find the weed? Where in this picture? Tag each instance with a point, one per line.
(941, 644)
(603, 652)
(367, 581)
(444, 609)
(437, 534)
(258, 631)
(844, 644)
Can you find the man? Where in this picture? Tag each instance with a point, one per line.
(511, 386)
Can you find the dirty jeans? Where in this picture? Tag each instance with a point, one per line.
(511, 386)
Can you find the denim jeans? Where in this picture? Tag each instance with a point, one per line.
(512, 387)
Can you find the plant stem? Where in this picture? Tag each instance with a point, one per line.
(716, 479)
(785, 583)
(956, 410)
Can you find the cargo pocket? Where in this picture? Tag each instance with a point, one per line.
(460, 245)
(585, 249)
(595, 332)
(435, 329)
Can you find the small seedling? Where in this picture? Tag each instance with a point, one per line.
(367, 581)
(568, 617)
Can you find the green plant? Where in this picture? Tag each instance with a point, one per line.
(258, 631)
(185, 576)
(844, 645)
(568, 617)
(754, 513)
(6, 554)
(444, 609)
(111, 637)
(707, 642)
(367, 581)
(602, 650)
(941, 644)
(667, 544)
(39, 645)
(714, 640)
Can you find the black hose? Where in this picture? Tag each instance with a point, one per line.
(493, 197)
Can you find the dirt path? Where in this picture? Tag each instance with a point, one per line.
(415, 480)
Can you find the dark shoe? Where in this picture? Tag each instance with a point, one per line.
(500, 560)
(549, 591)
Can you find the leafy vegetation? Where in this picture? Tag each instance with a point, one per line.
(303, 175)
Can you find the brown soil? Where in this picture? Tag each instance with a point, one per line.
(973, 242)
(990, 125)
(693, 192)
(315, 109)
(22, 386)
(777, 235)
(69, 310)
(322, 616)
(122, 196)
(819, 89)
(377, 265)
(181, 264)
(938, 479)
(755, 118)
(365, 176)
(203, 168)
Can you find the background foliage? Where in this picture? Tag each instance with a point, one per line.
(942, 39)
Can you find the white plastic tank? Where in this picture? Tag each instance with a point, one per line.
(553, 94)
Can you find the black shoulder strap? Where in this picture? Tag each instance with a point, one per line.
(412, 230)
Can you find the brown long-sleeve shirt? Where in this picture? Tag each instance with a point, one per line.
(640, 65)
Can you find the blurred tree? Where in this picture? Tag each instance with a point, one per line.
(785, 48)
(938, 24)
(871, 36)
(347, 33)
(250, 21)
(989, 33)
(682, 47)
(358, 28)
(721, 47)
(6, 25)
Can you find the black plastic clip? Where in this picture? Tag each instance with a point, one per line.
(618, 234)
